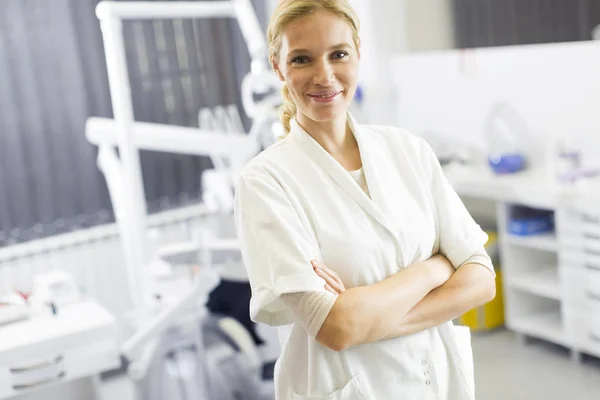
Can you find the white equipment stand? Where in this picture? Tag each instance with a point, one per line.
(126, 184)
(124, 176)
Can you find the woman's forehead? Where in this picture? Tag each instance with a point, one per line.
(320, 29)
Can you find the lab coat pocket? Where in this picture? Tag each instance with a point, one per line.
(463, 340)
(353, 390)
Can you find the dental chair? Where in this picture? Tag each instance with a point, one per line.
(187, 352)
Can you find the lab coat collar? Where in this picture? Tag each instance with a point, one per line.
(369, 156)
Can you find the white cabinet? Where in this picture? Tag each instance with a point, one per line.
(579, 268)
(552, 281)
(48, 350)
(584, 330)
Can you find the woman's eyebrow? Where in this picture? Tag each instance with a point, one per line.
(340, 46)
(298, 51)
(336, 47)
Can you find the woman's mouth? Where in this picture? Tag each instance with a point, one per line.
(324, 97)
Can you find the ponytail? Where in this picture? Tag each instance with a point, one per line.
(288, 109)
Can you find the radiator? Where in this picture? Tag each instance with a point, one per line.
(94, 256)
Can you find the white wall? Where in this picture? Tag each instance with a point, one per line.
(381, 36)
(554, 87)
(390, 28)
(429, 25)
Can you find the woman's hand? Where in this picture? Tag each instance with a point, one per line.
(333, 283)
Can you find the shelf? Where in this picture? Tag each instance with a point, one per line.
(542, 282)
(545, 241)
(545, 325)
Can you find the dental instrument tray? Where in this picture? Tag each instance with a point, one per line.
(525, 221)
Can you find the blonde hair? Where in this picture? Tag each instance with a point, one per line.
(290, 10)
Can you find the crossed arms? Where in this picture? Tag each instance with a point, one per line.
(421, 296)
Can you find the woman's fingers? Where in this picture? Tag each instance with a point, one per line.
(329, 272)
(330, 281)
(331, 278)
(330, 289)
(326, 270)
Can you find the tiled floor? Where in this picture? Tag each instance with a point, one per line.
(505, 370)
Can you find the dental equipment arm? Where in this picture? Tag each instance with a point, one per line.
(130, 136)
(175, 139)
(242, 10)
(133, 348)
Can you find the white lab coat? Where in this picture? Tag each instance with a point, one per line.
(295, 203)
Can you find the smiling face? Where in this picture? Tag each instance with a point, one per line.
(318, 61)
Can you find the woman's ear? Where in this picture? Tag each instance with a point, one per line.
(358, 44)
(277, 70)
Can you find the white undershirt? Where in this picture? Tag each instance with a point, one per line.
(359, 177)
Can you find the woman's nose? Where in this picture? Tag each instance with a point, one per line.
(324, 74)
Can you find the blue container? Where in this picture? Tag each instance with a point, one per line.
(507, 163)
(531, 225)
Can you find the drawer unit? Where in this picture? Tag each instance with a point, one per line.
(580, 288)
(578, 259)
(35, 373)
(579, 271)
(579, 231)
(584, 331)
(569, 218)
(583, 244)
(77, 362)
(80, 341)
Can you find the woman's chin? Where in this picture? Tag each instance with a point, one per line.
(328, 115)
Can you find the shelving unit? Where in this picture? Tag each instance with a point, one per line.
(545, 241)
(542, 282)
(546, 325)
(537, 304)
(531, 282)
(549, 287)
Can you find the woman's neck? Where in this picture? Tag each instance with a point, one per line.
(336, 137)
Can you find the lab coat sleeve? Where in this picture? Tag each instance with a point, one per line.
(310, 309)
(481, 257)
(276, 247)
(459, 236)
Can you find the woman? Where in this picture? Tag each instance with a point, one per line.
(354, 242)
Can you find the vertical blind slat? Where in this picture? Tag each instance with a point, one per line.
(482, 23)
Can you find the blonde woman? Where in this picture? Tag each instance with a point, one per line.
(354, 242)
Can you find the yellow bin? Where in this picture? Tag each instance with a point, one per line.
(490, 315)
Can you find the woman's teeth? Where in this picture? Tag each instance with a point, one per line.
(326, 96)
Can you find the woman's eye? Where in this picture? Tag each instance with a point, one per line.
(339, 55)
(299, 60)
